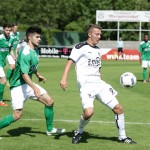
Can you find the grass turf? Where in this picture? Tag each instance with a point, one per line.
(101, 132)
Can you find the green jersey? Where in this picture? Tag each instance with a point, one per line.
(27, 63)
(5, 45)
(144, 48)
(14, 38)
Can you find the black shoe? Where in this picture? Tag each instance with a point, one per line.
(127, 140)
(76, 137)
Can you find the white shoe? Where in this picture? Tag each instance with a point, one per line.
(55, 131)
(0, 138)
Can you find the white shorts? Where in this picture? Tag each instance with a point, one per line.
(20, 94)
(10, 59)
(145, 63)
(2, 73)
(101, 91)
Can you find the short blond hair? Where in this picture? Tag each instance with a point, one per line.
(91, 26)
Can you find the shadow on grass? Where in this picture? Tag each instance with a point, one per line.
(87, 136)
(22, 130)
(28, 131)
(7, 100)
(138, 80)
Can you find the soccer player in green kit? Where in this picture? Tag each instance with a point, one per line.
(14, 38)
(144, 50)
(5, 48)
(22, 84)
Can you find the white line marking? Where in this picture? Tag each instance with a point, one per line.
(101, 122)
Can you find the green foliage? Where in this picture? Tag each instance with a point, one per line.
(64, 15)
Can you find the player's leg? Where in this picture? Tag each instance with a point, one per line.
(144, 71)
(6, 121)
(2, 86)
(48, 111)
(107, 96)
(122, 53)
(88, 110)
(120, 123)
(149, 71)
(17, 105)
(84, 120)
(118, 53)
(119, 118)
(11, 68)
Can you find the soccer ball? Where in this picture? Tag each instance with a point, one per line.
(128, 79)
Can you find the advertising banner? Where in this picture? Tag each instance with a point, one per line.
(53, 51)
(124, 16)
(111, 54)
(107, 53)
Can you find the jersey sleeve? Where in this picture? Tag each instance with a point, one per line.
(75, 54)
(11, 40)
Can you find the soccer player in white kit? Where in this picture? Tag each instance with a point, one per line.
(87, 59)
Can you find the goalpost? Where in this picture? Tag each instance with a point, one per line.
(123, 16)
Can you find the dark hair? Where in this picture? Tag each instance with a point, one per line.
(14, 24)
(146, 34)
(91, 26)
(6, 25)
(32, 30)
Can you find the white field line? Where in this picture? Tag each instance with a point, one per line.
(101, 122)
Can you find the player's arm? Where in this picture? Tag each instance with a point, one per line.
(140, 57)
(28, 80)
(12, 53)
(140, 53)
(63, 82)
(25, 67)
(17, 52)
(11, 41)
(39, 76)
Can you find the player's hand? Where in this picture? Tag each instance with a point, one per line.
(63, 85)
(37, 92)
(41, 78)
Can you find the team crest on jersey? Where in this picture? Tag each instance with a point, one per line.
(94, 62)
(32, 68)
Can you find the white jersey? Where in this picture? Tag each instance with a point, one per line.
(88, 62)
(21, 45)
(120, 44)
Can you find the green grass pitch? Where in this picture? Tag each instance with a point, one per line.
(101, 133)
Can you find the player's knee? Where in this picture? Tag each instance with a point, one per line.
(50, 102)
(17, 115)
(47, 100)
(118, 109)
(88, 114)
(12, 66)
(3, 81)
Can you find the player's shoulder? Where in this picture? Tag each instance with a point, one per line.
(80, 45)
(22, 41)
(142, 42)
(97, 47)
(1, 35)
(26, 50)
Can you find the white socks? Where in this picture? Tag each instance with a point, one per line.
(120, 125)
(82, 124)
